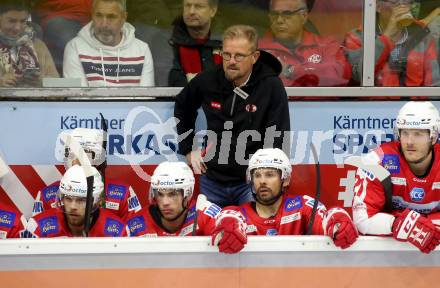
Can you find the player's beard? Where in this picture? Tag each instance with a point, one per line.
(269, 201)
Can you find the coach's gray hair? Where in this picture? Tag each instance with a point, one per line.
(122, 4)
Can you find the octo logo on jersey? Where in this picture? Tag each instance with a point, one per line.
(417, 194)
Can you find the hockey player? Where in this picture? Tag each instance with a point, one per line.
(276, 213)
(173, 212)
(68, 219)
(119, 197)
(413, 201)
(12, 222)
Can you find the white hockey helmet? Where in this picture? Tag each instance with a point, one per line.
(172, 175)
(418, 115)
(74, 183)
(270, 158)
(91, 140)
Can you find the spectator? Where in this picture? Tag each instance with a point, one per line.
(60, 20)
(106, 52)
(12, 222)
(307, 59)
(275, 213)
(404, 55)
(195, 49)
(24, 59)
(406, 207)
(173, 212)
(68, 219)
(240, 99)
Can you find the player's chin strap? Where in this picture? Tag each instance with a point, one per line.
(318, 189)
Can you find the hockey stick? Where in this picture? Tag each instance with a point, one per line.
(378, 171)
(4, 168)
(79, 152)
(318, 189)
(201, 204)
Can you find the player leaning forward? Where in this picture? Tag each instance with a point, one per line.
(276, 213)
(408, 209)
(174, 212)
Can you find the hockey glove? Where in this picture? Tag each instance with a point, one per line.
(418, 230)
(338, 225)
(230, 232)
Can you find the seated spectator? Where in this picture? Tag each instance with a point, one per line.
(195, 49)
(24, 59)
(12, 222)
(60, 20)
(68, 219)
(405, 55)
(106, 52)
(307, 59)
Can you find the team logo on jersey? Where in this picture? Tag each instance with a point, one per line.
(136, 225)
(314, 58)
(292, 204)
(191, 215)
(417, 194)
(113, 228)
(272, 232)
(251, 108)
(116, 192)
(216, 105)
(50, 193)
(48, 225)
(7, 219)
(391, 163)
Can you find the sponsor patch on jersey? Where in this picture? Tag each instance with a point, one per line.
(417, 194)
(3, 234)
(111, 205)
(251, 229)
(38, 207)
(365, 174)
(191, 215)
(116, 192)
(272, 232)
(134, 204)
(398, 181)
(48, 226)
(50, 193)
(435, 185)
(292, 204)
(113, 227)
(212, 210)
(6, 219)
(187, 230)
(391, 163)
(290, 218)
(136, 225)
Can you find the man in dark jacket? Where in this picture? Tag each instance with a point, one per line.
(246, 108)
(194, 48)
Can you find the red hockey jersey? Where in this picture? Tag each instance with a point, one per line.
(12, 222)
(51, 223)
(146, 223)
(119, 199)
(408, 191)
(292, 217)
